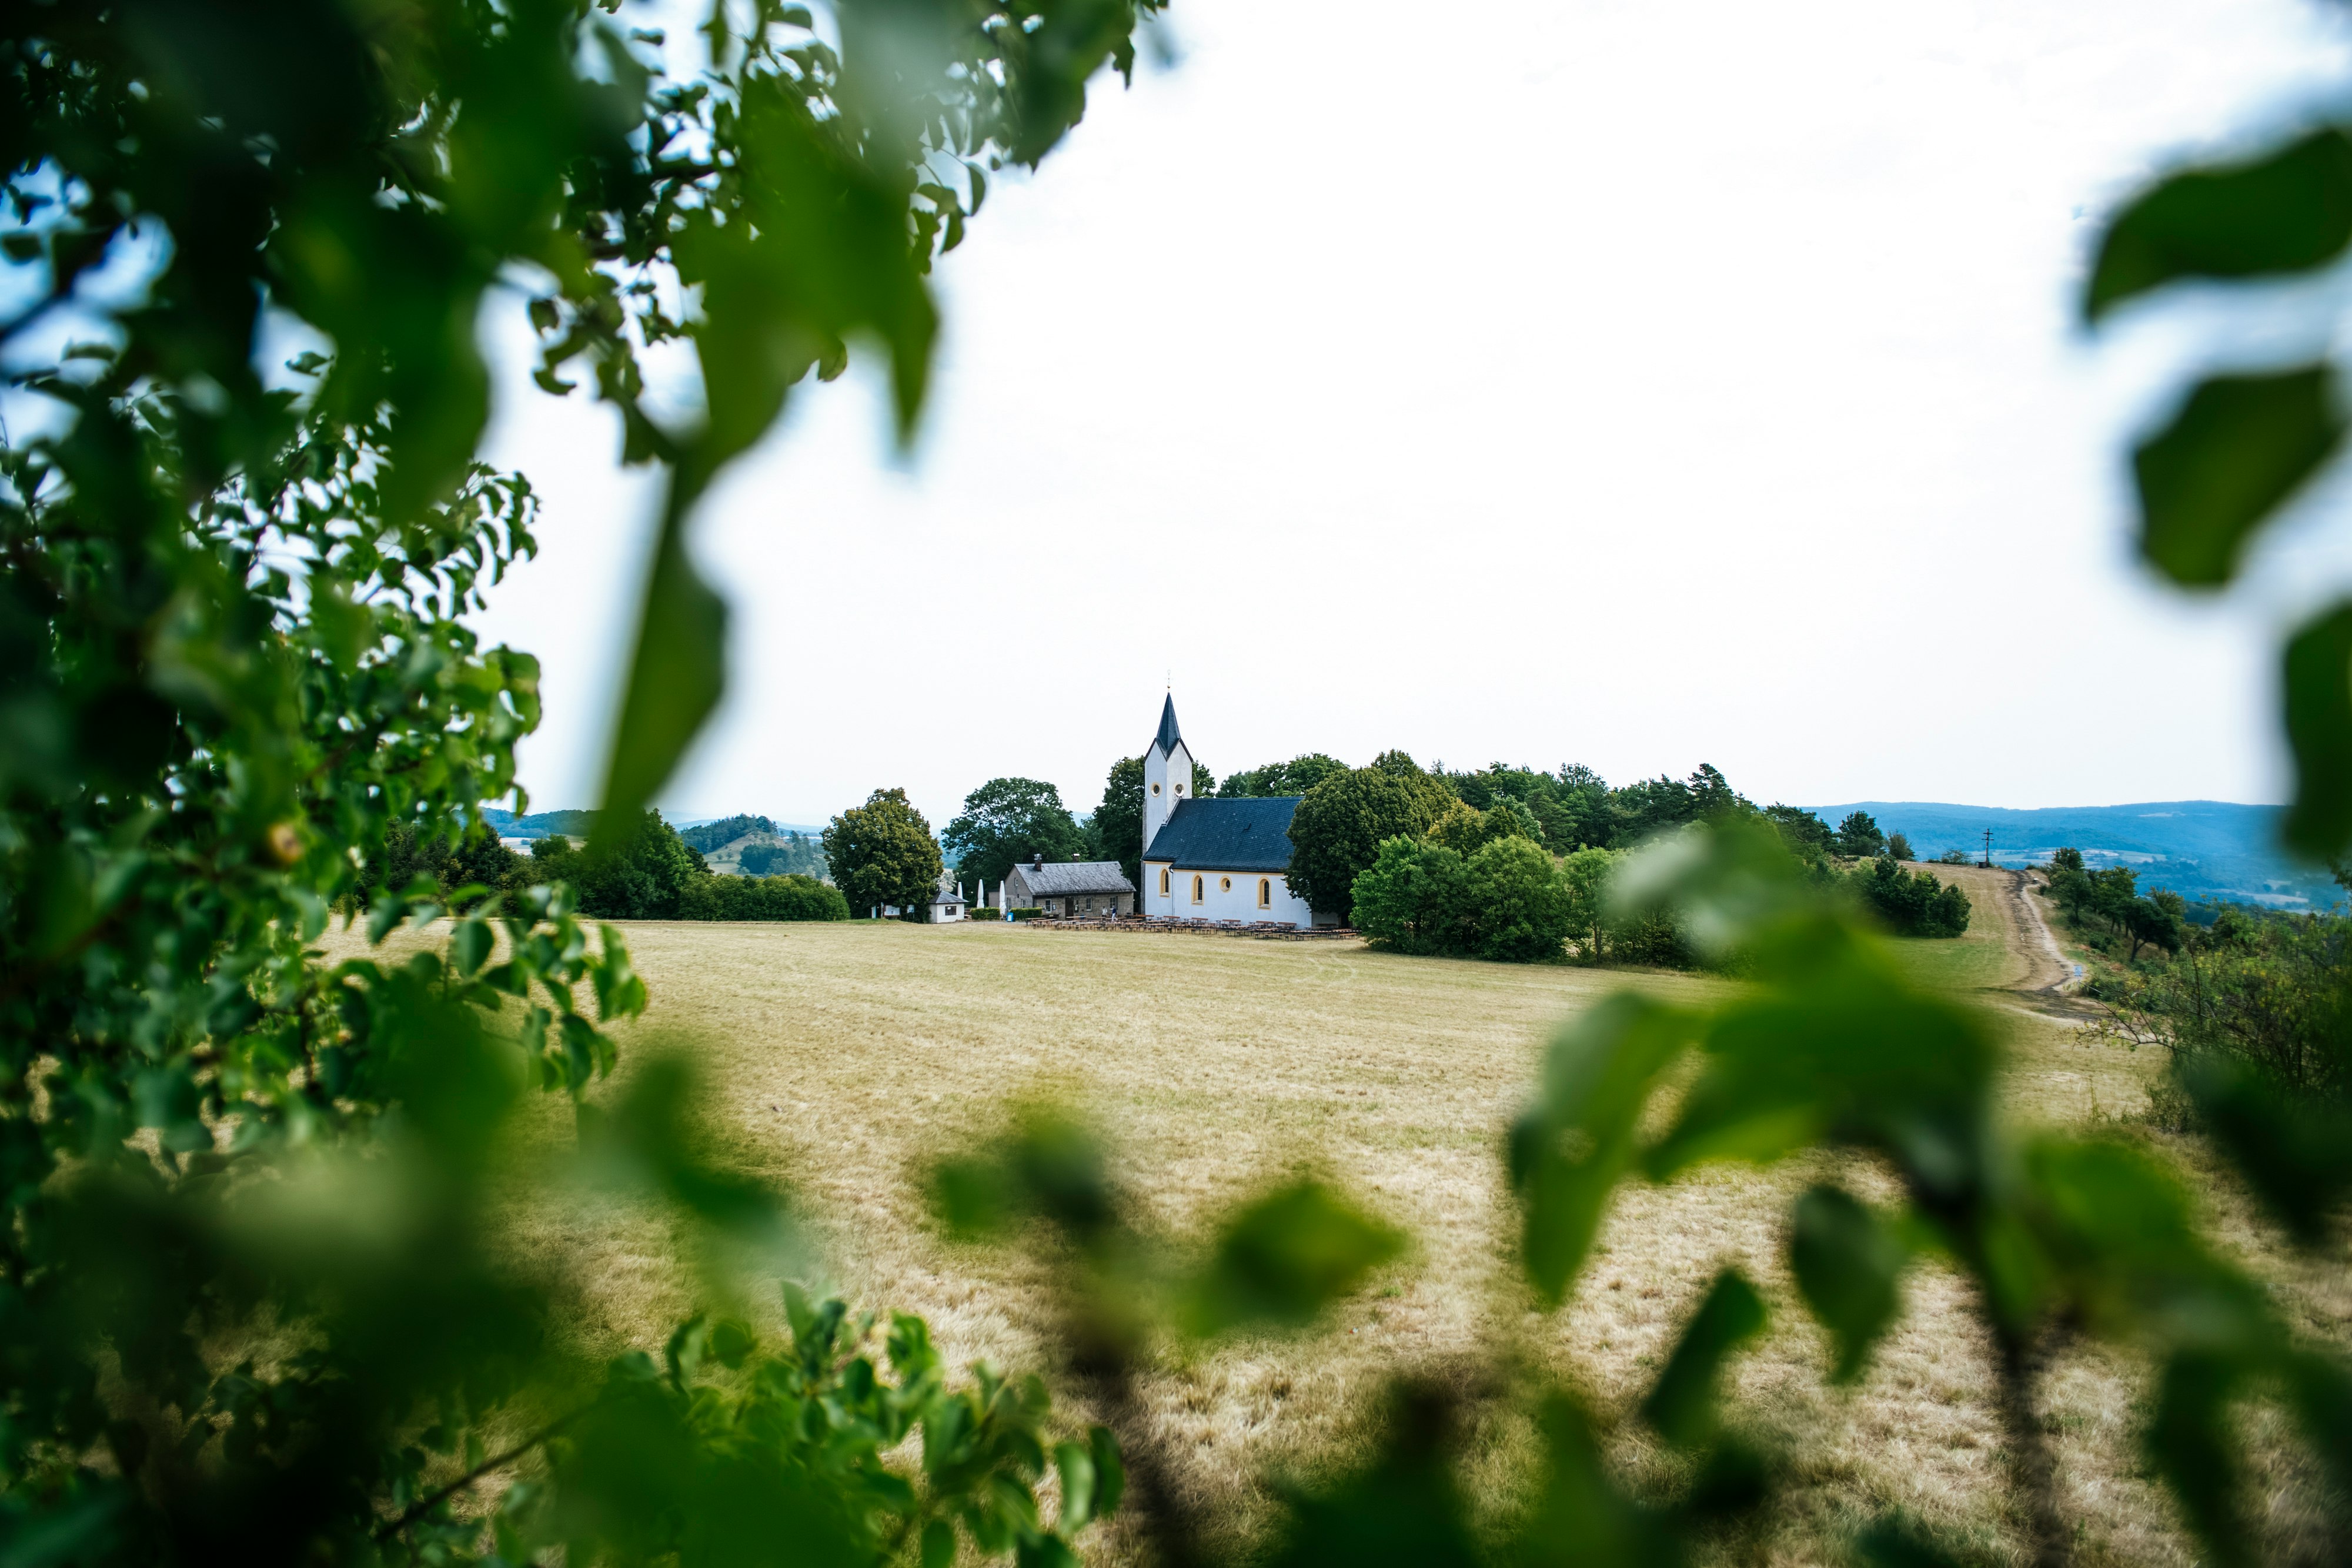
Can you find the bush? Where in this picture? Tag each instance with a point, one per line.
(1023, 914)
(762, 898)
(1518, 905)
(1911, 904)
(1506, 901)
(1411, 899)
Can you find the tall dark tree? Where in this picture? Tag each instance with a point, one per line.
(883, 852)
(1648, 807)
(1858, 835)
(1009, 821)
(1341, 825)
(1116, 826)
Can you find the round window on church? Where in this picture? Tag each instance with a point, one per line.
(1155, 788)
(1224, 884)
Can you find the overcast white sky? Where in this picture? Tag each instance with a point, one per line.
(1632, 384)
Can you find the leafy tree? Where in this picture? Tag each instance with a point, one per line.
(1007, 821)
(1712, 796)
(640, 876)
(1807, 837)
(883, 852)
(1520, 908)
(1642, 810)
(1205, 783)
(1575, 814)
(1585, 875)
(1116, 825)
(1899, 847)
(1295, 777)
(478, 859)
(1858, 837)
(1342, 823)
(1412, 898)
(706, 837)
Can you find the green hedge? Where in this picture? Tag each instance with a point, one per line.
(760, 898)
(1027, 914)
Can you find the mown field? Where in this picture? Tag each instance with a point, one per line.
(843, 1059)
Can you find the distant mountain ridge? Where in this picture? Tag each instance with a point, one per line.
(577, 822)
(2199, 848)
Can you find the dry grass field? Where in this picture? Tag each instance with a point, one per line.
(842, 1058)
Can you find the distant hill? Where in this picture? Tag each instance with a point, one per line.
(2199, 848)
(540, 825)
(577, 824)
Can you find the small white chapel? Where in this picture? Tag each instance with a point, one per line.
(1213, 859)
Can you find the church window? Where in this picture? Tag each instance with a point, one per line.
(1196, 889)
(1224, 884)
(1155, 788)
(1265, 893)
(1163, 881)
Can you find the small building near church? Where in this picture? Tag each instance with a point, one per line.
(1066, 888)
(1213, 859)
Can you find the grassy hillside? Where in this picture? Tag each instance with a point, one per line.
(2200, 849)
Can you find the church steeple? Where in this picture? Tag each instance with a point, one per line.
(1169, 737)
(1167, 772)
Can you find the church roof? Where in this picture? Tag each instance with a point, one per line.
(1059, 879)
(1248, 834)
(1169, 733)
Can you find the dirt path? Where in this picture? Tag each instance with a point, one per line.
(2048, 969)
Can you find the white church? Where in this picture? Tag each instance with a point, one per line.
(1213, 859)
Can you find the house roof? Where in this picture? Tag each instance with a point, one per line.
(1247, 834)
(1059, 879)
(1169, 737)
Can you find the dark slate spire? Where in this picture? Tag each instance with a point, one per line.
(1169, 733)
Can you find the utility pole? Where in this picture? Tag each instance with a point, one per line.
(1987, 861)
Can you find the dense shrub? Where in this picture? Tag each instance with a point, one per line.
(1023, 914)
(1911, 904)
(760, 898)
(1519, 906)
(1506, 900)
(1411, 899)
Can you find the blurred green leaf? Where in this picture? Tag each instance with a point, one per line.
(1900, 1543)
(2296, 1154)
(676, 679)
(1403, 1509)
(2239, 447)
(2317, 690)
(2191, 1445)
(1681, 1405)
(1285, 1257)
(1848, 1266)
(1569, 1150)
(2289, 212)
(1581, 1518)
